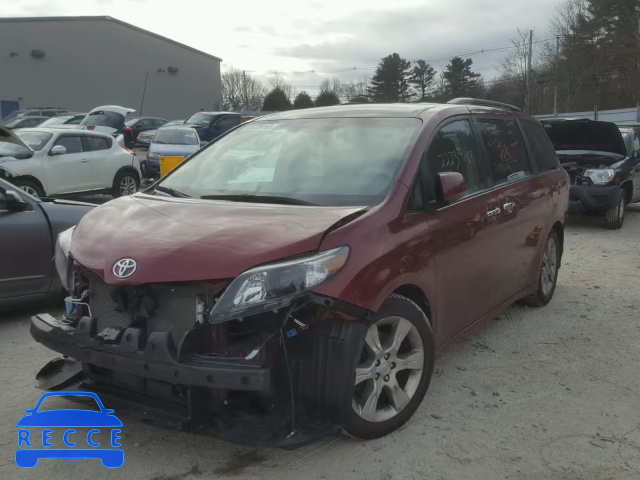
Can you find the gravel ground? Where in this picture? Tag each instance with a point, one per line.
(538, 393)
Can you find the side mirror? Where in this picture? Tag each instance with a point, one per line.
(204, 143)
(14, 202)
(450, 187)
(58, 150)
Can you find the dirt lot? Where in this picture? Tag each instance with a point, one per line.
(539, 393)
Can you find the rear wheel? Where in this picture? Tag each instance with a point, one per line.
(548, 277)
(614, 218)
(29, 186)
(393, 371)
(125, 183)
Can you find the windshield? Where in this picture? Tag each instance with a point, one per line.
(176, 136)
(35, 140)
(104, 119)
(55, 121)
(342, 161)
(200, 120)
(14, 122)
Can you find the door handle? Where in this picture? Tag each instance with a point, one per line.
(508, 207)
(494, 213)
(84, 160)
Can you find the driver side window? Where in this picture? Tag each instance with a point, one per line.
(71, 143)
(453, 149)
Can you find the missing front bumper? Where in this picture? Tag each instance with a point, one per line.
(156, 361)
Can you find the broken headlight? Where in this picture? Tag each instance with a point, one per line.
(600, 177)
(275, 286)
(64, 265)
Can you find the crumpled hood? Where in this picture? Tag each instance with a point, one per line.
(585, 135)
(174, 240)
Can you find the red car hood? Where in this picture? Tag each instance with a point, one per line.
(174, 240)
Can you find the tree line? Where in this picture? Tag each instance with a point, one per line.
(590, 60)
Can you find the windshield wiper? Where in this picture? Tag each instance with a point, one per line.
(258, 199)
(170, 191)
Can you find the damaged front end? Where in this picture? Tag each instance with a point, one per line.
(244, 360)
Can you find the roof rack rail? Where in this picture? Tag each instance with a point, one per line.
(483, 103)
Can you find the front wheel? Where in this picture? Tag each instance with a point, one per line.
(125, 183)
(30, 187)
(548, 276)
(614, 217)
(393, 371)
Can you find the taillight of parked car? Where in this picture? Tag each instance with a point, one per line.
(91, 127)
(129, 150)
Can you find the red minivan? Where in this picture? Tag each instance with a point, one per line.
(313, 261)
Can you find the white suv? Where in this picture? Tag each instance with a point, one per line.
(50, 161)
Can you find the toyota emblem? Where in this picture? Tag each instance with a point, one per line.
(125, 268)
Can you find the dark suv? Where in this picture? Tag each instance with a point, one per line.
(312, 262)
(210, 125)
(603, 163)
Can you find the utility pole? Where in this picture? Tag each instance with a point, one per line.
(555, 87)
(144, 91)
(529, 62)
(244, 87)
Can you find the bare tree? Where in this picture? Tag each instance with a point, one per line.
(241, 92)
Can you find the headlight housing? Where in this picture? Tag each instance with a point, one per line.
(277, 285)
(64, 264)
(600, 177)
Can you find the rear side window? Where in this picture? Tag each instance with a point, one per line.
(543, 152)
(93, 144)
(506, 150)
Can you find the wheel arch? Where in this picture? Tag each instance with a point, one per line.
(33, 179)
(558, 227)
(417, 296)
(127, 168)
(627, 188)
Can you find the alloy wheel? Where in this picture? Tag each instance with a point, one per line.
(549, 266)
(128, 186)
(30, 190)
(390, 369)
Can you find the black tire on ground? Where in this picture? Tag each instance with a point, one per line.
(614, 217)
(394, 306)
(543, 296)
(29, 186)
(122, 181)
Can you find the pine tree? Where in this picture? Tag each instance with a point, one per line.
(276, 101)
(461, 80)
(303, 100)
(390, 82)
(422, 77)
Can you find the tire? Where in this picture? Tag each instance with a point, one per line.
(375, 370)
(548, 276)
(30, 187)
(125, 183)
(614, 217)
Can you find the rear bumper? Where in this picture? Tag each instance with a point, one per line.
(156, 361)
(592, 198)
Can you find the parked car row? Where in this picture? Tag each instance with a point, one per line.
(54, 162)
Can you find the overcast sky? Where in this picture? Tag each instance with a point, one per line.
(321, 35)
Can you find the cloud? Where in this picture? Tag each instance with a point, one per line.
(428, 31)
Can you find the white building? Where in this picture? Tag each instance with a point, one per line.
(83, 62)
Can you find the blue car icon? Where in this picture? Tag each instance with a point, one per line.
(36, 431)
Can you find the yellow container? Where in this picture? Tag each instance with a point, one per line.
(169, 163)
